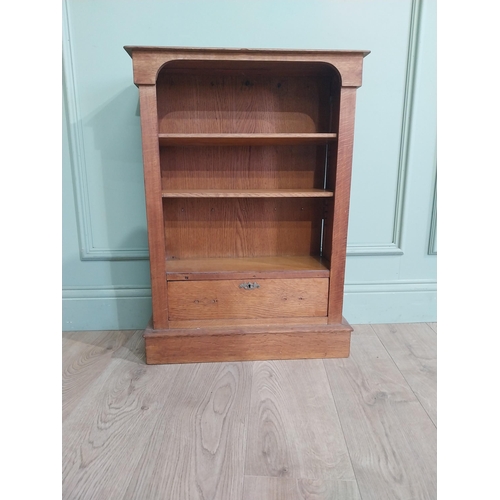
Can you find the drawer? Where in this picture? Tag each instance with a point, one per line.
(266, 298)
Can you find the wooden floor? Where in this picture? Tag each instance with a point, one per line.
(356, 428)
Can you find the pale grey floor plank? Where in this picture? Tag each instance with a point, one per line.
(390, 437)
(362, 330)
(180, 431)
(197, 448)
(293, 427)
(433, 326)
(412, 347)
(287, 488)
(85, 355)
(104, 436)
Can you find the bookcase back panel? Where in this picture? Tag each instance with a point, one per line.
(209, 228)
(242, 101)
(250, 167)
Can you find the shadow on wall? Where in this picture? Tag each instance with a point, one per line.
(114, 171)
(113, 139)
(132, 304)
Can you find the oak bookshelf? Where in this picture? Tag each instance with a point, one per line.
(247, 166)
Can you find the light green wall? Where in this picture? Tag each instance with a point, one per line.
(391, 265)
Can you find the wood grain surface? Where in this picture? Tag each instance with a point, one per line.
(412, 347)
(293, 427)
(247, 193)
(285, 488)
(433, 326)
(294, 166)
(154, 208)
(235, 323)
(148, 61)
(300, 266)
(272, 298)
(240, 144)
(252, 431)
(241, 227)
(246, 102)
(339, 180)
(247, 343)
(105, 434)
(390, 437)
(197, 447)
(254, 139)
(85, 356)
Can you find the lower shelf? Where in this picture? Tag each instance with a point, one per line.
(247, 343)
(301, 266)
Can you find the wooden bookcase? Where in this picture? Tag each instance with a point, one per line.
(247, 167)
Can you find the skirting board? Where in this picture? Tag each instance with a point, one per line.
(95, 309)
(391, 306)
(106, 308)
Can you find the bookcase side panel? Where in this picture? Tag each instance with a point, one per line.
(154, 210)
(341, 178)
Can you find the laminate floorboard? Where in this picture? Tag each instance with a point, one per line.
(104, 436)
(287, 488)
(433, 326)
(85, 355)
(412, 347)
(390, 437)
(197, 448)
(293, 427)
(340, 429)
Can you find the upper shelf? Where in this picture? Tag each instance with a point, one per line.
(247, 193)
(244, 139)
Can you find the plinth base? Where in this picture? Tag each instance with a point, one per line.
(247, 343)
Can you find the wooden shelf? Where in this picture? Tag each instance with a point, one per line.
(302, 266)
(244, 139)
(247, 193)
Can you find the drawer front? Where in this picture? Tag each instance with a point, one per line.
(267, 298)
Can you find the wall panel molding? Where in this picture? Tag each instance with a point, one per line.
(395, 286)
(98, 292)
(406, 121)
(394, 248)
(88, 250)
(374, 249)
(108, 292)
(432, 249)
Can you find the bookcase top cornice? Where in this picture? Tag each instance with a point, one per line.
(148, 61)
(131, 48)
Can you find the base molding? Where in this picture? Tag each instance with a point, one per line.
(247, 343)
(129, 308)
